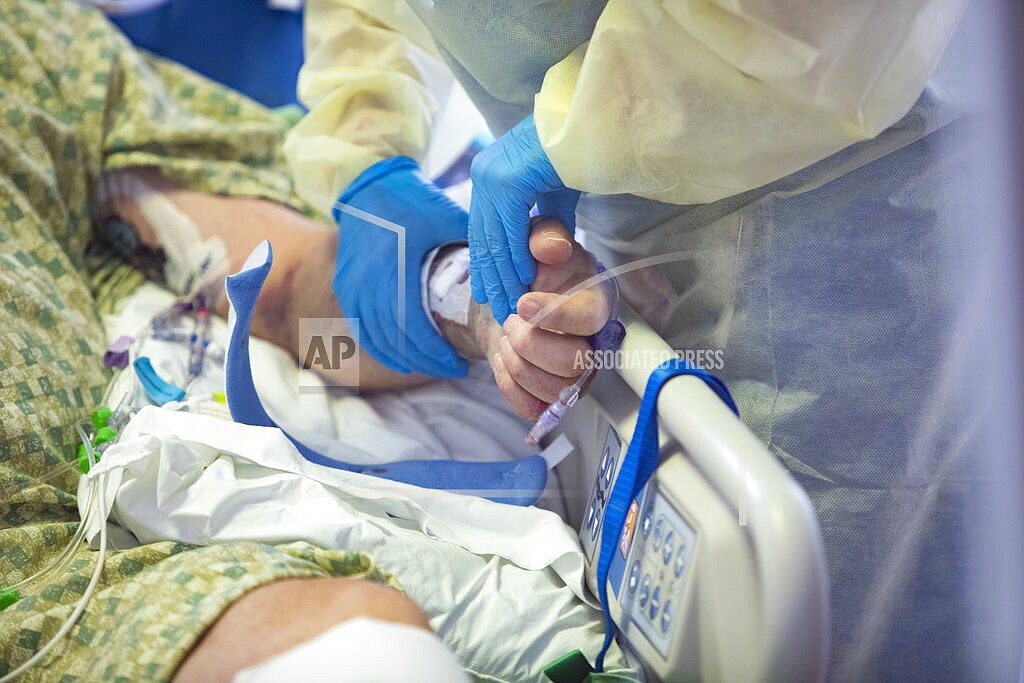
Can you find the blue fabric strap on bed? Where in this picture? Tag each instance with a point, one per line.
(637, 467)
(519, 482)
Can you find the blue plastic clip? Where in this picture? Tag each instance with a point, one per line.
(156, 388)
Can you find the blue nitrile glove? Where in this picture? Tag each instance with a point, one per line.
(509, 177)
(366, 274)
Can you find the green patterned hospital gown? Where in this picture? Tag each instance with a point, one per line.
(77, 100)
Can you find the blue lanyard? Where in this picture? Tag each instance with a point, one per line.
(637, 467)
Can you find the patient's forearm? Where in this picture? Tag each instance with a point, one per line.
(299, 284)
(532, 358)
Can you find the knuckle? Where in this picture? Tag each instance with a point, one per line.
(524, 341)
(501, 376)
(590, 311)
(504, 382)
(522, 335)
(515, 365)
(596, 318)
(488, 167)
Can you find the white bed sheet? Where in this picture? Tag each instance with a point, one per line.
(503, 586)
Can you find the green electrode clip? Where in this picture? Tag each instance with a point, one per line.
(570, 668)
(102, 436)
(8, 596)
(574, 668)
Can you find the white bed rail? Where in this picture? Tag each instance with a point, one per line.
(743, 591)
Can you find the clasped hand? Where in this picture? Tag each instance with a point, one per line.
(544, 346)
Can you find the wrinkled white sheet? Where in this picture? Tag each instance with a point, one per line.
(502, 585)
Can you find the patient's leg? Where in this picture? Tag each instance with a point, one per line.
(278, 616)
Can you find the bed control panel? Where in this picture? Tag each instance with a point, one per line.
(610, 453)
(652, 588)
(717, 573)
(649, 572)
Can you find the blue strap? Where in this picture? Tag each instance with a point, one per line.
(637, 467)
(516, 482)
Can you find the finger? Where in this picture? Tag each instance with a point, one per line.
(499, 237)
(493, 290)
(558, 354)
(549, 241)
(534, 380)
(476, 249)
(523, 403)
(517, 235)
(484, 280)
(578, 269)
(582, 314)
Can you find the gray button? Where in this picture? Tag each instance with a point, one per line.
(680, 561)
(606, 478)
(659, 533)
(655, 602)
(645, 590)
(670, 542)
(647, 522)
(634, 577)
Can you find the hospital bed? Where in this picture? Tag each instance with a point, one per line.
(721, 576)
(714, 565)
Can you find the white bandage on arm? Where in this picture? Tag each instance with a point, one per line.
(193, 264)
(365, 650)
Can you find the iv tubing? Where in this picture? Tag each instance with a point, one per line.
(97, 502)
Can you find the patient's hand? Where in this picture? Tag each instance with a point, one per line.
(536, 357)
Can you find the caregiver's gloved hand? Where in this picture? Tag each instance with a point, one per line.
(366, 273)
(509, 177)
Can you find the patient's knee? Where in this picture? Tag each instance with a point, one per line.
(276, 617)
